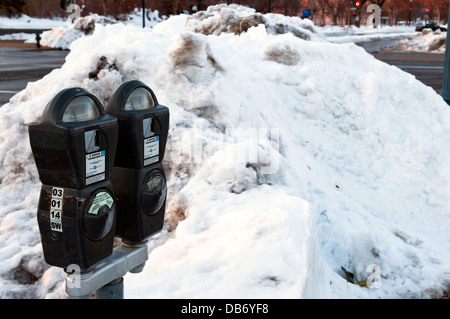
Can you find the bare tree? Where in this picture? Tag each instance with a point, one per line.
(336, 9)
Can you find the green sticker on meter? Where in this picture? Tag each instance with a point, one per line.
(101, 199)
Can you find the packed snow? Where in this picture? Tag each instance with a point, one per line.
(288, 160)
(425, 41)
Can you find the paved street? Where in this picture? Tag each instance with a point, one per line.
(427, 67)
(24, 64)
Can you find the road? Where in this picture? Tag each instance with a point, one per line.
(24, 64)
(426, 67)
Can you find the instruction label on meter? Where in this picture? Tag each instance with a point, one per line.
(101, 199)
(95, 167)
(151, 150)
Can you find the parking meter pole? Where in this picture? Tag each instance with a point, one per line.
(446, 75)
(106, 279)
(113, 290)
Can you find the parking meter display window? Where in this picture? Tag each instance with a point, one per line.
(147, 127)
(80, 109)
(139, 99)
(154, 192)
(91, 141)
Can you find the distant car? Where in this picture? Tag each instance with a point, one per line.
(432, 26)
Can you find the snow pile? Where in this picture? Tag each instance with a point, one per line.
(286, 161)
(237, 19)
(425, 41)
(62, 37)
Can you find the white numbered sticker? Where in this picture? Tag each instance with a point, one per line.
(56, 207)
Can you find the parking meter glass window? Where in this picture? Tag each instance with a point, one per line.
(139, 99)
(80, 109)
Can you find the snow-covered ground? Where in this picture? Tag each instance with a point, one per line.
(289, 158)
(26, 22)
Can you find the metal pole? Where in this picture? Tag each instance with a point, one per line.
(113, 290)
(143, 13)
(445, 93)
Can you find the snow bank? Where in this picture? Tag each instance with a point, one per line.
(62, 37)
(237, 19)
(425, 41)
(215, 20)
(286, 160)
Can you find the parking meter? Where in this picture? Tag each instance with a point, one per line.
(138, 176)
(74, 145)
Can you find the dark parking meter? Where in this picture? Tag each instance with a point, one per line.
(138, 176)
(74, 145)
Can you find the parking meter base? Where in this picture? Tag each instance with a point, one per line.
(68, 240)
(106, 277)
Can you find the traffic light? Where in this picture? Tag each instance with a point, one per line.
(427, 10)
(74, 145)
(357, 4)
(354, 13)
